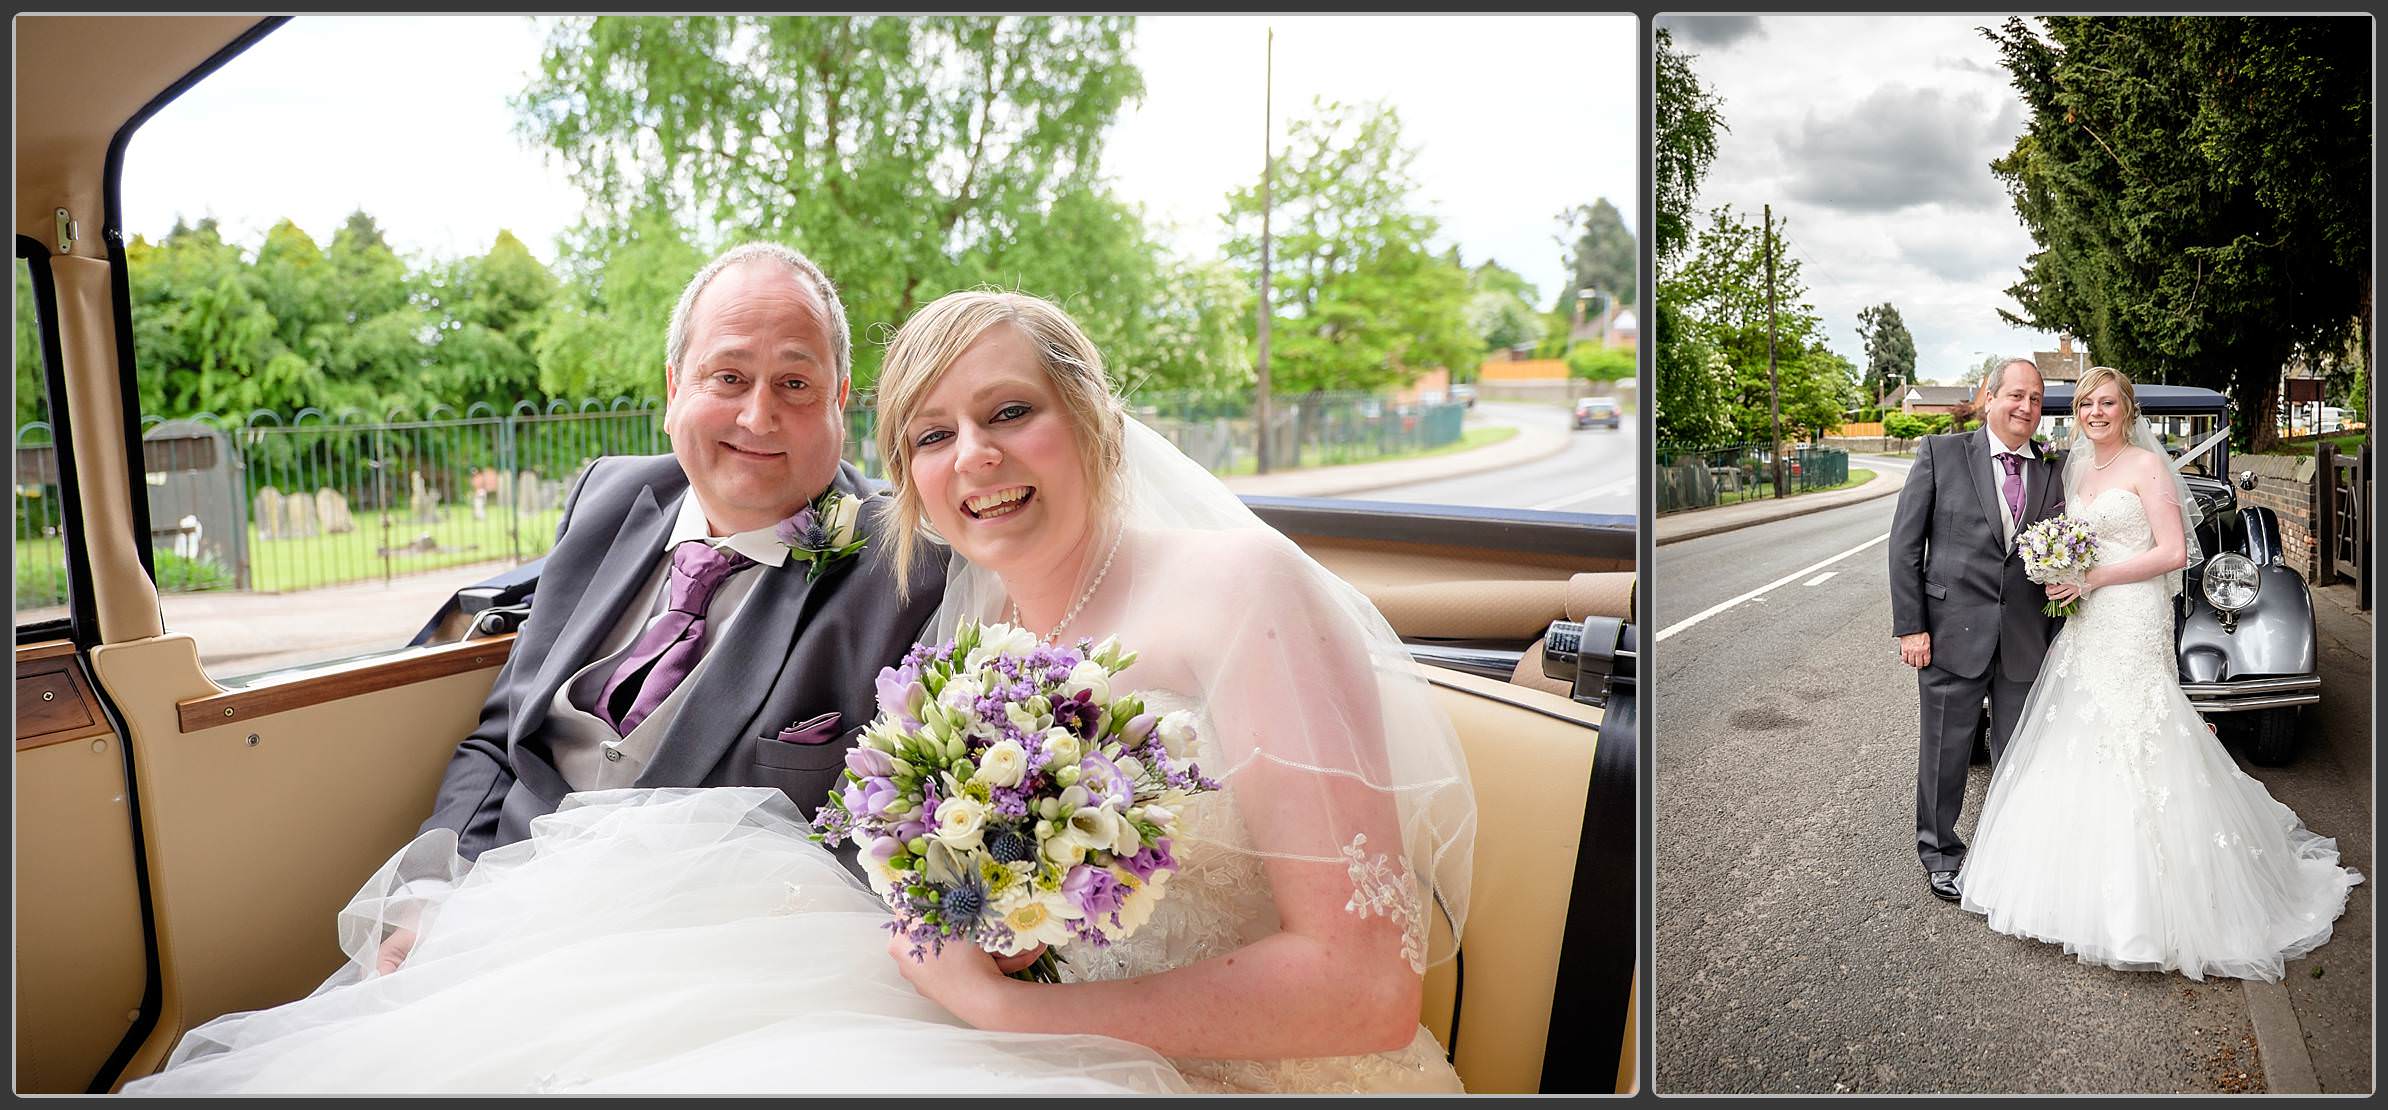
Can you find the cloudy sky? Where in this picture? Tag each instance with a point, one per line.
(407, 118)
(1873, 136)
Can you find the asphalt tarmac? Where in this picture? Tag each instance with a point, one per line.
(1797, 948)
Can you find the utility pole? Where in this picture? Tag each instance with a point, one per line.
(1268, 166)
(1774, 388)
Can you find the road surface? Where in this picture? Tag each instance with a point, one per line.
(1797, 949)
(1598, 472)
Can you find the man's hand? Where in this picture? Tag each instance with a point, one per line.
(1010, 964)
(1915, 649)
(393, 951)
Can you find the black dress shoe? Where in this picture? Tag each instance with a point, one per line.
(1944, 886)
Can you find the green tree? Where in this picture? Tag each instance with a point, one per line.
(603, 334)
(1196, 335)
(488, 311)
(1890, 350)
(908, 156)
(1689, 117)
(1696, 387)
(1501, 308)
(32, 391)
(1361, 302)
(2200, 192)
(1720, 290)
(1600, 253)
(1594, 362)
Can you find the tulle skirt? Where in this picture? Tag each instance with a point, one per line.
(2118, 826)
(640, 941)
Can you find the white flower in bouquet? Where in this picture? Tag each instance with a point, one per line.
(1091, 680)
(1062, 750)
(999, 641)
(1177, 732)
(961, 821)
(1004, 764)
(1143, 895)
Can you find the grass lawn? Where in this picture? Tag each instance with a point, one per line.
(2346, 444)
(282, 566)
(1857, 477)
(1312, 457)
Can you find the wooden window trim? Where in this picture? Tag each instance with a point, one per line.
(251, 703)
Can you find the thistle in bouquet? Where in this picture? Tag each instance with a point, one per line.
(2058, 549)
(1005, 797)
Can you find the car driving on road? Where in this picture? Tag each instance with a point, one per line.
(1597, 412)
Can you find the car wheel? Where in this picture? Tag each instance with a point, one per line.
(2275, 737)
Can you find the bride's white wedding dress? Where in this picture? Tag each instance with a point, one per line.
(692, 940)
(2118, 827)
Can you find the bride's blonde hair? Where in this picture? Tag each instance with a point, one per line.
(927, 345)
(2097, 376)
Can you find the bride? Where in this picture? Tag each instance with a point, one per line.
(695, 940)
(2116, 825)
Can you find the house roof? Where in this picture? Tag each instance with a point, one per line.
(1936, 394)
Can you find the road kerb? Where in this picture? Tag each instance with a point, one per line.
(2279, 1040)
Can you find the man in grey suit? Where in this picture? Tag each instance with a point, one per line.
(1967, 619)
(677, 639)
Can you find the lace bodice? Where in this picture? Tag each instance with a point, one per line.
(1218, 901)
(2117, 651)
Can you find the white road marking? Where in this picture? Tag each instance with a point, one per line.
(1820, 578)
(1794, 576)
(1587, 495)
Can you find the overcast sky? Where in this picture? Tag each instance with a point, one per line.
(1873, 136)
(1515, 119)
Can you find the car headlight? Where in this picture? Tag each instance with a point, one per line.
(2230, 582)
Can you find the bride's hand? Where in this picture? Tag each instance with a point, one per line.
(962, 978)
(2064, 591)
(1011, 964)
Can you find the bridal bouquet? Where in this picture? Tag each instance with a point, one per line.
(1004, 797)
(2058, 549)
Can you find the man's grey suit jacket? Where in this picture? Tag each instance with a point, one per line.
(802, 649)
(1952, 573)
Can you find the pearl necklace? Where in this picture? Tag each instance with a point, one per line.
(1055, 635)
(2095, 464)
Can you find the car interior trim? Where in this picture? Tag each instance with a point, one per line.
(346, 681)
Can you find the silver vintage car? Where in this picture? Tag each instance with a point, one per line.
(2244, 620)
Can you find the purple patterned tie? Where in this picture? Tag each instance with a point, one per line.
(670, 647)
(2013, 486)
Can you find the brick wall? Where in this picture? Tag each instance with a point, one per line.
(2285, 485)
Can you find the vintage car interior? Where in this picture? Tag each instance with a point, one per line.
(182, 845)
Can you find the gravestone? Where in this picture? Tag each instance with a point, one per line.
(422, 501)
(331, 511)
(298, 517)
(268, 514)
(526, 493)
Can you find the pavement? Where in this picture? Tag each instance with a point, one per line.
(1889, 475)
(1797, 949)
(1535, 440)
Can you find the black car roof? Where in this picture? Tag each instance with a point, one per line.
(2163, 400)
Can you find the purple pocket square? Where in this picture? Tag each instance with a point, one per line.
(819, 730)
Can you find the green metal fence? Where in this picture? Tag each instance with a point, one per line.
(268, 503)
(1701, 477)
